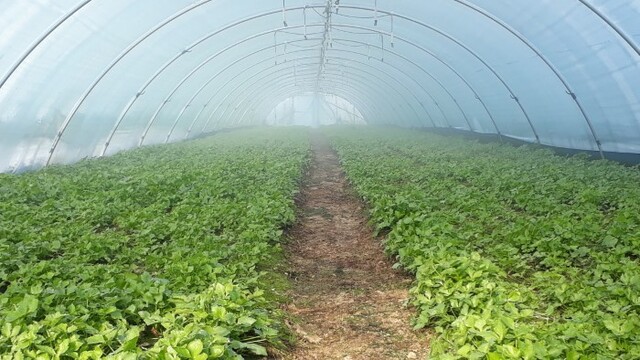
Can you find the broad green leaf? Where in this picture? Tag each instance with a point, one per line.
(464, 350)
(195, 347)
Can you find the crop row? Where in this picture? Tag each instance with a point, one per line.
(152, 253)
(517, 253)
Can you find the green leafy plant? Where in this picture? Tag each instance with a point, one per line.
(517, 253)
(152, 253)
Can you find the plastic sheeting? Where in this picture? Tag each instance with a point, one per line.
(92, 77)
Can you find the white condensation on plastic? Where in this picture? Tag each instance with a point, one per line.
(13, 21)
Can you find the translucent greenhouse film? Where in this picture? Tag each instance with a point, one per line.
(90, 78)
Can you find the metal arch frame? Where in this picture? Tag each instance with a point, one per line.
(39, 41)
(325, 93)
(208, 82)
(211, 99)
(289, 90)
(135, 44)
(601, 15)
(253, 85)
(477, 96)
(329, 80)
(293, 52)
(298, 82)
(160, 70)
(292, 82)
(333, 107)
(421, 68)
(196, 69)
(475, 93)
(258, 89)
(164, 67)
(201, 40)
(279, 70)
(295, 79)
(542, 57)
(345, 92)
(411, 43)
(357, 27)
(310, 49)
(219, 89)
(398, 55)
(121, 56)
(184, 11)
(337, 25)
(402, 96)
(285, 92)
(230, 80)
(209, 59)
(448, 66)
(623, 34)
(440, 84)
(463, 46)
(455, 101)
(355, 69)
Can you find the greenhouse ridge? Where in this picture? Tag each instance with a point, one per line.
(91, 78)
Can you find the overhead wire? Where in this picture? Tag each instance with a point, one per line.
(362, 17)
(356, 32)
(338, 41)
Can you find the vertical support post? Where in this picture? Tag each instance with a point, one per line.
(375, 15)
(284, 13)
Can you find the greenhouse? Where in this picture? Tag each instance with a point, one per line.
(319, 179)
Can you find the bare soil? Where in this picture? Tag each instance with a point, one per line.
(347, 301)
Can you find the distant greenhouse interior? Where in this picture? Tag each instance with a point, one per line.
(315, 110)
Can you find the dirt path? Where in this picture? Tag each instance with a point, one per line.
(348, 302)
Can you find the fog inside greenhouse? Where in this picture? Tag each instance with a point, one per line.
(314, 110)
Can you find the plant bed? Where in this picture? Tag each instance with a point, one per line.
(517, 253)
(152, 253)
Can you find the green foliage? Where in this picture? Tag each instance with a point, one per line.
(517, 253)
(152, 253)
